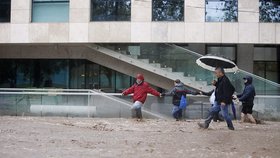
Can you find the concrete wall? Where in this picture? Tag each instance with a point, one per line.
(140, 29)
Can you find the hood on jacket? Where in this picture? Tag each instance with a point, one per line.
(249, 79)
(179, 84)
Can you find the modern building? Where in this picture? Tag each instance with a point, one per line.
(103, 44)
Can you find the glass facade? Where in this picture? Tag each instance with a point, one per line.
(266, 62)
(59, 73)
(167, 56)
(110, 10)
(5, 10)
(168, 10)
(227, 51)
(50, 11)
(221, 11)
(269, 10)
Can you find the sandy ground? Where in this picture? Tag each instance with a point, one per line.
(28, 137)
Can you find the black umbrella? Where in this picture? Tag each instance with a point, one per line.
(210, 62)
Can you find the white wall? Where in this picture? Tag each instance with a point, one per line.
(140, 28)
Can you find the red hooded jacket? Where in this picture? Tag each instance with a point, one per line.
(140, 92)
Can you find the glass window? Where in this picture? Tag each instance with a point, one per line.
(266, 62)
(92, 75)
(122, 82)
(5, 10)
(24, 73)
(8, 73)
(50, 11)
(228, 52)
(49, 73)
(221, 11)
(107, 79)
(77, 74)
(168, 10)
(269, 10)
(110, 10)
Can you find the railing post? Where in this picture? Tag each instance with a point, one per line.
(88, 103)
(16, 105)
(202, 110)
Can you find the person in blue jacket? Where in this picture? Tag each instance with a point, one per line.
(247, 99)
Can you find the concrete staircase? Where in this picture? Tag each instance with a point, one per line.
(145, 66)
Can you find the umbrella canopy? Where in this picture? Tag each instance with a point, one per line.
(210, 62)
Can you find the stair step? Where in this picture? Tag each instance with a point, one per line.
(206, 88)
(179, 73)
(168, 69)
(147, 61)
(190, 78)
(203, 83)
(156, 65)
(133, 56)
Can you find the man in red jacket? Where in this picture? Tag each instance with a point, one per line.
(140, 90)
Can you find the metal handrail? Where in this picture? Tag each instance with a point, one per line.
(16, 91)
(46, 89)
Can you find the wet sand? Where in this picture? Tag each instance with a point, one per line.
(34, 137)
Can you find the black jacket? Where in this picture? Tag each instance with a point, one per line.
(177, 93)
(249, 92)
(224, 90)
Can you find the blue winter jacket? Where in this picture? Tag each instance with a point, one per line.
(249, 92)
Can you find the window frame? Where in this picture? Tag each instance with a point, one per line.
(183, 20)
(266, 21)
(10, 14)
(32, 6)
(91, 14)
(223, 45)
(205, 19)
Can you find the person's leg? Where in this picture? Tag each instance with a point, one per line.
(242, 120)
(175, 112)
(233, 110)
(216, 117)
(226, 116)
(244, 113)
(251, 118)
(139, 113)
(249, 115)
(136, 109)
(180, 114)
(133, 113)
(220, 116)
(213, 111)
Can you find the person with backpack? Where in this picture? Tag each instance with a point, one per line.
(177, 92)
(223, 99)
(247, 99)
(140, 90)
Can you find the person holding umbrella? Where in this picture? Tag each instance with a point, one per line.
(223, 98)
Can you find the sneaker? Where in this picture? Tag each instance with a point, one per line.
(202, 125)
(231, 128)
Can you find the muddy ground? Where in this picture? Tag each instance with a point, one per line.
(35, 137)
